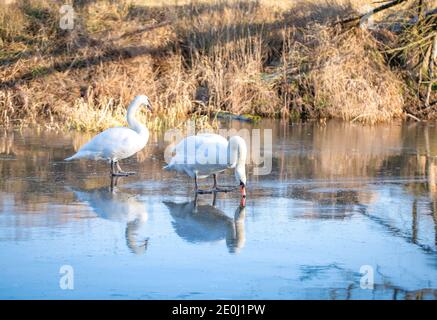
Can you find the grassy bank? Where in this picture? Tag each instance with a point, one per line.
(194, 58)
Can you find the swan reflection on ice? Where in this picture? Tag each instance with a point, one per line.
(112, 204)
(206, 223)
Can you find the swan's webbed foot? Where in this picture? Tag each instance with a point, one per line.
(116, 170)
(203, 191)
(125, 173)
(119, 174)
(215, 190)
(225, 189)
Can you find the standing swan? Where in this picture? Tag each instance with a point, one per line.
(208, 154)
(118, 143)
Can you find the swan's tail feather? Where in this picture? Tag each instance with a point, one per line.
(168, 167)
(74, 156)
(85, 154)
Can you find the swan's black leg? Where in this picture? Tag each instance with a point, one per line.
(200, 191)
(115, 169)
(196, 185)
(112, 168)
(120, 172)
(129, 173)
(214, 199)
(195, 199)
(114, 181)
(216, 188)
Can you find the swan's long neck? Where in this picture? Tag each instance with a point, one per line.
(134, 124)
(236, 237)
(238, 152)
(132, 243)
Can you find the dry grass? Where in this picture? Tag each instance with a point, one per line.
(352, 80)
(268, 58)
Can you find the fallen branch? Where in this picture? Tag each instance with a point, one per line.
(412, 117)
(370, 13)
(419, 43)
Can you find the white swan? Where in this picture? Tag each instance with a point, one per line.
(208, 154)
(118, 143)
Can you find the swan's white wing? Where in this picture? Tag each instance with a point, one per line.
(204, 153)
(202, 147)
(114, 143)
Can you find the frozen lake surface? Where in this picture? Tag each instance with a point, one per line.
(340, 198)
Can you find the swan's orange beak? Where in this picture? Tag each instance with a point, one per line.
(243, 201)
(243, 190)
(243, 194)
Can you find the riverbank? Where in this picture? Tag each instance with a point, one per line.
(195, 59)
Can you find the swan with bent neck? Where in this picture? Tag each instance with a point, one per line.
(206, 223)
(118, 143)
(208, 154)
